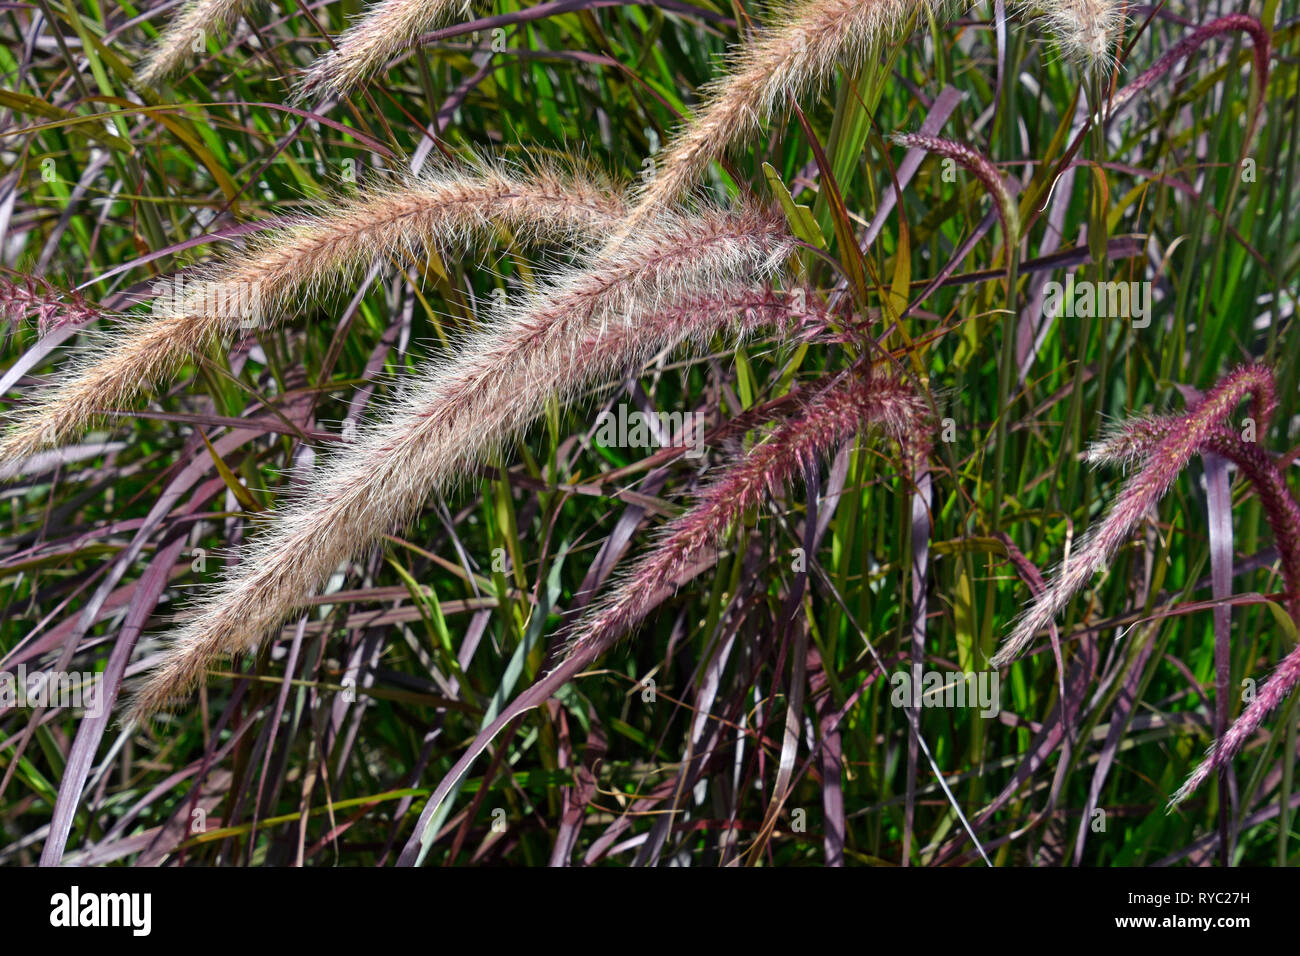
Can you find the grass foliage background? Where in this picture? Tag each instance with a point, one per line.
(759, 742)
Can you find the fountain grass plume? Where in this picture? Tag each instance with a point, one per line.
(1159, 468)
(449, 207)
(797, 52)
(684, 278)
(25, 297)
(978, 165)
(1237, 22)
(830, 415)
(384, 30)
(1134, 442)
(197, 19)
(1139, 442)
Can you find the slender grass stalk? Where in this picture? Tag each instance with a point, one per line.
(188, 30)
(830, 415)
(447, 208)
(587, 326)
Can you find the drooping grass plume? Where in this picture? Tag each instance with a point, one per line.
(1237, 22)
(797, 52)
(1085, 31)
(1157, 473)
(1138, 441)
(1276, 689)
(687, 277)
(192, 26)
(983, 170)
(449, 207)
(825, 418)
(383, 31)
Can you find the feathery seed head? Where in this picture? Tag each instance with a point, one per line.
(979, 165)
(585, 327)
(1085, 31)
(384, 30)
(1131, 441)
(1160, 446)
(196, 21)
(1237, 22)
(30, 296)
(1276, 689)
(403, 219)
(1160, 467)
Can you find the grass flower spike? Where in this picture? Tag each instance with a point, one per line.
(1159, 469)
(1085, 31)
(28, 297)
(831, 415)
(1138, 442)
(983, 170)
(197, 19)
(1159, 448)
(383, 31)
(587, 326)
(797, 52)
(446, 209)
(1237, 22)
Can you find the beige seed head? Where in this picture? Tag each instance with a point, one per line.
(196, 22)
(587, 326)
(449, 207)
(383, 31)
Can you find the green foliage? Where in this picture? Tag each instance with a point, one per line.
(683, 735)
